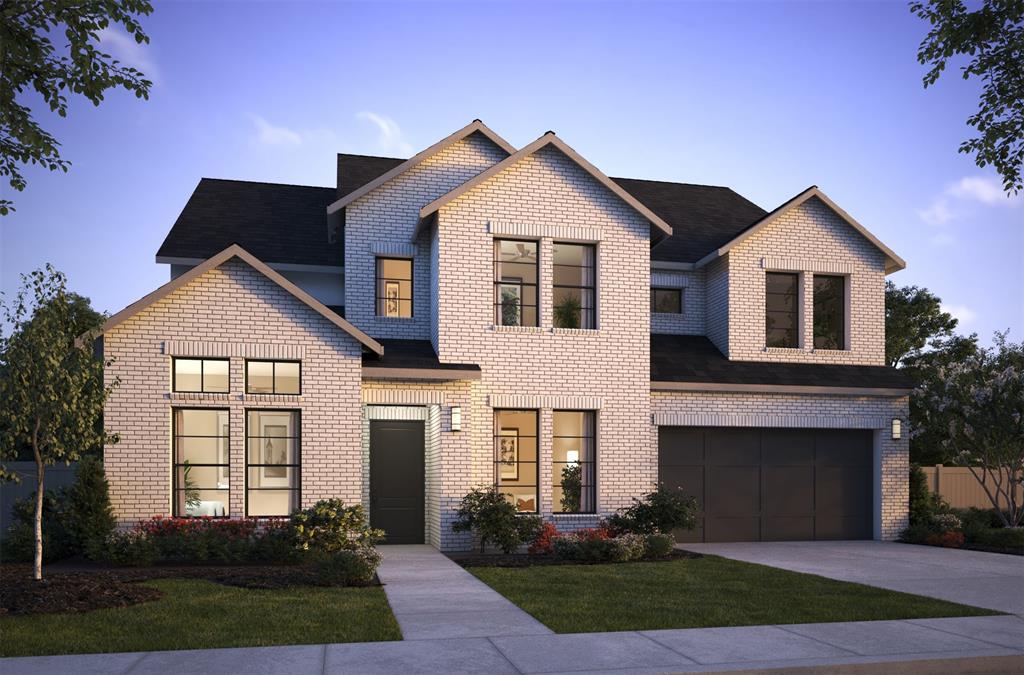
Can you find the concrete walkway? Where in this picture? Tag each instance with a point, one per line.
(433, 598)
(990, 580)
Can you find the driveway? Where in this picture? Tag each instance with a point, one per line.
(990, 580)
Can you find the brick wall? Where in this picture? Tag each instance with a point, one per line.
(231, 311)
(692, 319)
(716, 284)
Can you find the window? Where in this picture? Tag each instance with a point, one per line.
(515, 283)
(574, 299)
(394, 287)
(829, 312)
(273, 377)
(200, 448)
(515, 457)
(208, 376)
(781, 311)
(666, 301)
(573, 462)
(272, 462)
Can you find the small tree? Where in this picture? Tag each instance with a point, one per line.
(91, 516)
(982, 401)
(51, 391)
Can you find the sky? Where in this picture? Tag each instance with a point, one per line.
(766, 98)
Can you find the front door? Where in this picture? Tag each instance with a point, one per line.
(397, 480)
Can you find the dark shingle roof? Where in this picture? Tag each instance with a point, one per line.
(411, 354)
(355, 171)
(276, 223)
(703, 217)
(694, 358)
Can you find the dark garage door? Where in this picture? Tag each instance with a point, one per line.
(771, 484)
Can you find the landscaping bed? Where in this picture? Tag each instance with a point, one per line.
(534, 560)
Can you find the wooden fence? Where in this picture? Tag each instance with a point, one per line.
(959, 487)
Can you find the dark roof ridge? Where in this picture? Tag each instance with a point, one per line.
(267, 182)
(359, 154)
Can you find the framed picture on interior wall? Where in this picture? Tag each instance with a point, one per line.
(275, 451)
(392, 293)
(508, 454)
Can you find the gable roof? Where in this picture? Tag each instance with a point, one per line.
(893, 262)
(476, 126)
(547, 139)
(355, 171)
(236, 251)
(277, 223)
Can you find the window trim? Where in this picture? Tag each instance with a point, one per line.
(844, 317)
(273, 377)
(593, 429)
(377, 278)
(495, 435)
(798, 312)
(174, 464)
(592, 289)
(202, 369)
(297, 466)
(667, 288)
(497, 283)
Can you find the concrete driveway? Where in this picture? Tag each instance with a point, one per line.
(990, 580)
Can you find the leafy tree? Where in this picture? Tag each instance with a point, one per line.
(992, 37)
(52, 391)
(981, 399)
(913, 320)
(29, 60)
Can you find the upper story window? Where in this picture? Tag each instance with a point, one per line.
(666, 300)
(394, 287)
(207, 376)
(515, 283)
(781, 310)
(574, 296)
(273, 377)
(515, 457)
(829, 312)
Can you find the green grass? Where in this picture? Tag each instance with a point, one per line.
(197, 614)
(698, 593)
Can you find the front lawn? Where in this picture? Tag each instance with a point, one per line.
(198, 614)
(698, 593)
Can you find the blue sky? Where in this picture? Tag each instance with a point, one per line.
(766, 98)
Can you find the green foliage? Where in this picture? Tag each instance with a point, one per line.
(91, 515)
(914, 319)
(129, 548)
(924, 504)
(58, 542)
(52, 391)
(329, 526)
(348, 567)
(567, 312)
(1001, 539)
(189, 489)
(572, 487)
(31, 61)
(663, 510)
(510, 308)
(583, 548)
(659, 545)
(489, 515)
(992, 39)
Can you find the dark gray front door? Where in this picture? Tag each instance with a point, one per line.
(771, 484)
(397, 480)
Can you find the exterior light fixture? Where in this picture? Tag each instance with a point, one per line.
(897, 429)
(456, 418)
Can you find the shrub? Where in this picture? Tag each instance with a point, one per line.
(948, 539)
(659, 545)
(90, 516)
(917, 533)
(944, 522)
(200, 540)
(275, 543)
(663, 511)
(329, 526)
(631, 546)
(58, 542)
(542, 544)
(348, 567)
(923, 502)
(1004, 539)
(489, 515)
(129, 548)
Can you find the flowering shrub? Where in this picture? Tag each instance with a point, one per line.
(944, 522)
(542, 544)
(946, 539)
(202, 539)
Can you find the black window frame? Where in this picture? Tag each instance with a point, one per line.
(296, 466)
(796, 311)
(590, 312)
(273, 377)
(377, 279)
(841, 323)
(583, 487)
(498, 283)
(496, 431)
(654, 292)
(175, 465)
(202, 369)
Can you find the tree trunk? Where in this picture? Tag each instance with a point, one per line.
(37, 564)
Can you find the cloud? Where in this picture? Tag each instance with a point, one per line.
(125, 49)
(985, 190)
(962, 313)
(960, 198)
(938, 213)
(390, 138)
(269, 134)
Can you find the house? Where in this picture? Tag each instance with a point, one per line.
(481, 314)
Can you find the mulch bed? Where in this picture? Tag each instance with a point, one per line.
(527, 560)
(84, 587)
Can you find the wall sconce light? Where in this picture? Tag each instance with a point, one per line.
(456, 418)
(897, 429)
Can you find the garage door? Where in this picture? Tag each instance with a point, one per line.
(771, 484)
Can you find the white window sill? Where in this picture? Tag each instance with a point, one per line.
(574, 516)
(830, 351)
(397, 319)
(517, 329)
(785, 350)
(198, 396)
(575, 331)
